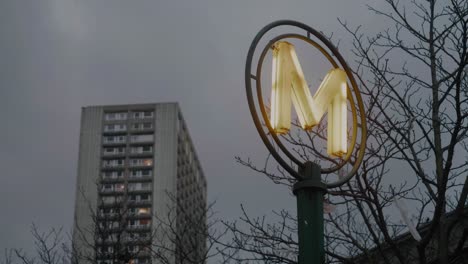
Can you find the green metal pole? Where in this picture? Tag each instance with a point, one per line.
(309, 193)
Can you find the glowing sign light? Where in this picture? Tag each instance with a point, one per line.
(289, 84)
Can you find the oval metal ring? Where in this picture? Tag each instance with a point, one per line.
(353, 91)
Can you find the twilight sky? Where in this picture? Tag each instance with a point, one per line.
(60, 55)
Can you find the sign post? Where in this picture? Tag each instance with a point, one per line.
(337, 93)
(309, 194)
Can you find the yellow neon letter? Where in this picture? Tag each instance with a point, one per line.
(289, 85)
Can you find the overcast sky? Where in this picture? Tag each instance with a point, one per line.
(59, 55)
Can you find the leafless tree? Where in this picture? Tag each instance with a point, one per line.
(196, 236)
(413, 76)
(7, 256)
(108, 235)
(180, 237)
(48, 248)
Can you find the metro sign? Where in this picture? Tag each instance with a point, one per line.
(289, 85)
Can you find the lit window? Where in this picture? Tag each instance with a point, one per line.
(143, 210)
(119, 187)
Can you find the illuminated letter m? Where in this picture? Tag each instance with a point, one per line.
(289, 85)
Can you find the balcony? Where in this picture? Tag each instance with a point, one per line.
(143, 138)
(111, 191)
(138, 215)
(114, 131)
(111, 164)
(107, 202)
(142, 154)
(140, 191)
(115, 116)
(139, 228)
(109, 216)
(113, 142)
(140, 178)
(134, 238)
(112, 179)
(142, 115)
(141, 166)
(144, 252)
(107, 242)
(139, 203)
(113, 154)
(141, 128)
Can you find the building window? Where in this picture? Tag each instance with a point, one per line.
(114, 139)
(143, 210)
(112, 174)
(142, 126)
(142, 149)
(147, 148)
(143, 114)
(114, 150)
(120, 187)
(113, 163)
(115, 116)
(141, 162)
(139, 186)
(115, 127)
(108, 199)
(133, 249)
(139, 173)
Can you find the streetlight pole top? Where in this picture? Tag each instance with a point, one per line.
(311, 178)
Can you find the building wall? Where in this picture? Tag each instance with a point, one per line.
(87, 176)
(165, 167)
(191, 199)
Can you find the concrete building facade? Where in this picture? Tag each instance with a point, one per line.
(140, 187)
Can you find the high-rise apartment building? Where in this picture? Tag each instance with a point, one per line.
(141, 192)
